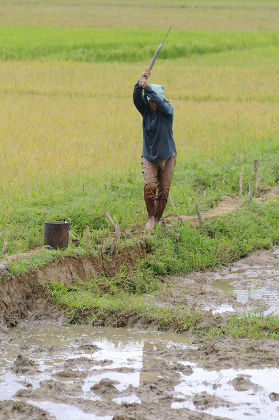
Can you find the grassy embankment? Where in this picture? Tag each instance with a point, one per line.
(117, 300)
(71, 140)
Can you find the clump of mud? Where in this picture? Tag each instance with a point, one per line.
(131, 373)
(19, 410)
(204, 401)
(243, 383)
(274, 396)
(24, 366)
(88, 348)
(70, 374)
(105, 386)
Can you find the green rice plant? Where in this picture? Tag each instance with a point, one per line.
(203, 15)
(124, 45)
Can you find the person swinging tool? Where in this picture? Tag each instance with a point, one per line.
(159, 151)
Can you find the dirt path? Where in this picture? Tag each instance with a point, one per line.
(228, 205)
(225, 206)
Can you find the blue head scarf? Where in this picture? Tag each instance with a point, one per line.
(158, 89)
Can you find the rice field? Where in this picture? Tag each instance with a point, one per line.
(70, 137)
(189, 15)
(121, 45)
(65, 118)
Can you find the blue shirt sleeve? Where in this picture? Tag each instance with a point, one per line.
(137, 97)
(163, 106)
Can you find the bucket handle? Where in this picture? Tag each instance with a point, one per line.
(70, 225)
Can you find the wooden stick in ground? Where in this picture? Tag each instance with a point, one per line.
(116, 233)
(257, 186)
(171, 202)
(250, 190)
(240, 184)
(87, 234)
(4, 248)
(107, 214)
(199, 216)
(75, 239)
(256, 167)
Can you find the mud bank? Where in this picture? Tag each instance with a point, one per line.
(83, 372)
(22, 296)
(51, 370)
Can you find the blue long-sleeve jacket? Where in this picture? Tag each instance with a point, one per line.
(158, 142)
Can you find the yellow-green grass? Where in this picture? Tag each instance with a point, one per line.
(64, 119)
(214, 15)
(71, 138)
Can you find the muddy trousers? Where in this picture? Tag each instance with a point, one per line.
(157, 182)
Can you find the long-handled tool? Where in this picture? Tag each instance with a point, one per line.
(157, 52)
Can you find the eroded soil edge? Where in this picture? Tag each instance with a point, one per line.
(22, 295)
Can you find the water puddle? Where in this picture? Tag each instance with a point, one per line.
(81, 372)
(249, 284)
(256, 288)
(225, 391)
(219, 309)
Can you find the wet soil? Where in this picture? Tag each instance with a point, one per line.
(81, 372)
(51, 370)
(249, 284)
(22, 296)
(19, 410)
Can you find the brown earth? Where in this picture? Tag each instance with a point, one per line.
(19, 410)
(25, 296)
(211, 289)
(225, 206)
(166, 362)
(65, 386)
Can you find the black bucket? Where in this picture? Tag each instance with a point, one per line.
(57, 234)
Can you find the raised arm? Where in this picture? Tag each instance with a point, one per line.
(139, 86)
(137, 98)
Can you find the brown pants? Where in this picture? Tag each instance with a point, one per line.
(157, 175)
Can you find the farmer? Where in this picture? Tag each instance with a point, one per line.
(159, 151)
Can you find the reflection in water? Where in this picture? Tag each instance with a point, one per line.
(131, 359)
(256, 286)
(255, 401)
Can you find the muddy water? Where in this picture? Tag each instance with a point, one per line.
(81, 372)
(249, 284)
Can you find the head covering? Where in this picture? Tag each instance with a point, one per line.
(158, 89)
